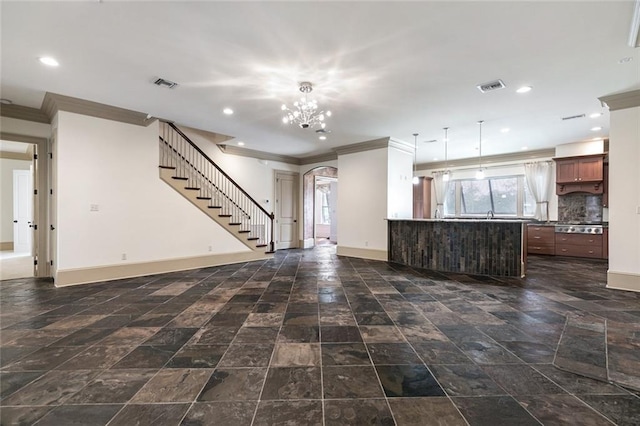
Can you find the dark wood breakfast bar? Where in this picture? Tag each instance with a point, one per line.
(468, 246)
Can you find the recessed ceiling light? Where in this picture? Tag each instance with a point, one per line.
(595, 115)
(48, 60)
(228, 111)
(5, 101)
(322, 138)
(505, 130)
(524, 148)
(524, 89)
(240, 143)
(595, 129)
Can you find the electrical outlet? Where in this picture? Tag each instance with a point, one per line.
(210, 248)
(124, 256)
(366, 243)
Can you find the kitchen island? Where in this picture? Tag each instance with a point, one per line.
(468, 246)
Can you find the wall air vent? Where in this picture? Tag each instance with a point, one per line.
(491, 86)
(165, 83)
(571, 117)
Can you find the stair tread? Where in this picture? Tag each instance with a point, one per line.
(235, 223)
(203, 198)
(244, 231)
(167, 167)
(253, 238)
(192, 188)
(224, 215)
(179, 178)
(214, 207)
(261, 245)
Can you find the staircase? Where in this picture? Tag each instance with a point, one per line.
(187, 169)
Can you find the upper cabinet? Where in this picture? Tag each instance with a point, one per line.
(580, 174)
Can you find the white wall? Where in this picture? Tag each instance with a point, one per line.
(400, 188)
(7, 166)
(624, 199)
(362, 200)
(115, 166)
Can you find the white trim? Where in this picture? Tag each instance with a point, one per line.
(68, 277)
(623, 281)
(363, 253)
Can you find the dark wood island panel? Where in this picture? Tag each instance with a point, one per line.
(480, 247)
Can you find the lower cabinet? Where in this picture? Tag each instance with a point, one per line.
(541, 239)
(579, 245)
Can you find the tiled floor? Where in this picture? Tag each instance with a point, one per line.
(307, 338)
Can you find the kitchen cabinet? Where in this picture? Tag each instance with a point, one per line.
(580, 174)
(579, 245)
(605, 243)
(541, 239)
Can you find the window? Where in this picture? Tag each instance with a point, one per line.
(504, 196)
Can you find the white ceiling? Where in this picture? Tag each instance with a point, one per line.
(383, 68)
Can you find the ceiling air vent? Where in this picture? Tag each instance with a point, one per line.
(165, 83)
(571, 117)
(491, 86)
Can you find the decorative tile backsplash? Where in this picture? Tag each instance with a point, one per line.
(579, 207)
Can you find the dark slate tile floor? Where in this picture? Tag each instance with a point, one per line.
(310, 338)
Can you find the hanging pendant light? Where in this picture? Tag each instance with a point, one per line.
(480, 172)
(447, 174)
(415, 179)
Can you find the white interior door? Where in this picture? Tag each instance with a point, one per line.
(22, 211)
(286, 210)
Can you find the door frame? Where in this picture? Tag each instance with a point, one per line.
(40, 205)
(295, 189)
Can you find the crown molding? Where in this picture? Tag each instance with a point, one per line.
(260, 155)
(54, 102)
(363, 146)
(24, 113)
(492, 159)
(213, 137)
(321, 158)
(407, 147)
(21, 138)
(23, 156)
(624, 100)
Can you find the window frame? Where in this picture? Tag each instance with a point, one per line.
(520, 198)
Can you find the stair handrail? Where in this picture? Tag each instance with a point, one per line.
(183, 158)
(186, 138)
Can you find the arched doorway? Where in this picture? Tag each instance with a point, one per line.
(327, 177)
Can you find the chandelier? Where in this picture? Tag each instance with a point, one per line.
(305, 112)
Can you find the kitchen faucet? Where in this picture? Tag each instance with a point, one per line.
(490, 214)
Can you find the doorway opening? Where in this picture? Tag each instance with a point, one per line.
(325, 220)
(17, 237)
(319, 201)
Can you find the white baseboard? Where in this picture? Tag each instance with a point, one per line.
(362, 253)
(623, 281)
(67, 277)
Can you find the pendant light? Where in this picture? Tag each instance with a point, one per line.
(447, 174)
(415, 179)
(480, 172)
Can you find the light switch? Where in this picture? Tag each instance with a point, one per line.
(94, 207)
